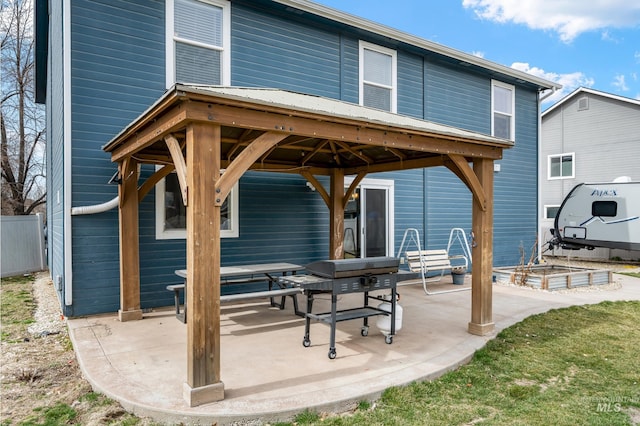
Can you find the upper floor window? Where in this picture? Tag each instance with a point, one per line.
(378, 82)
(502, 109)
(198, 42)
(562, 166)
(171, 213)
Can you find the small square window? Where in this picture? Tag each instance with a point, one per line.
(171, 214)
(562, 166)
(550, 212)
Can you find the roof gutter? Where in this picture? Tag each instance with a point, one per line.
(553, 90)
(404, 37)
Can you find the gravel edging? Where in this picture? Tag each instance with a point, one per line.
(48, 315)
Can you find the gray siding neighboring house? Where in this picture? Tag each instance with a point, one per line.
(588, 136)
(108, 62)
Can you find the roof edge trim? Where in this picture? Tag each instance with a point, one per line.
(592, 92)
(365, 24)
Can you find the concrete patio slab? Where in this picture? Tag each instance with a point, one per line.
(267, 373)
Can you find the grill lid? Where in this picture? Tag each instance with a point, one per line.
(342, 268)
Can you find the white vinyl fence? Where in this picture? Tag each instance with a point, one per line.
(22, 245)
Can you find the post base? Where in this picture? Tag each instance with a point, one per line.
(133, 315)
(203, 394)
(481, 329)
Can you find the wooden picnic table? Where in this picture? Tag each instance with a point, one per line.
(244, 274)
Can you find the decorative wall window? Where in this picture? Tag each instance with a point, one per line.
(550, 212)
(378, 81)
(171, 213)
(198, 42)
(562, 166)
(502, 110)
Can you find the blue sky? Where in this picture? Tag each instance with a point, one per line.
(576, 43)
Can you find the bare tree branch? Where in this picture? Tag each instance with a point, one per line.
(22, 135)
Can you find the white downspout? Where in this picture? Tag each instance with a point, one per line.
(97, 208)
(66, 130)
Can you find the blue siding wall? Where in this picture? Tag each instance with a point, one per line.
(269, 51)
(461, 99)
(118, 71)
(515, 187)
(456, 98)
(410, 82)
(409, 207)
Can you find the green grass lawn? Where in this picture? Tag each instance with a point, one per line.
(573, 366)
(632, 274)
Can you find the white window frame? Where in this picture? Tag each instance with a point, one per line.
(394, 72)
(170, 41)
(573, 166)
(546, 210)
(512, 116)
(177, 234)
(389, 186)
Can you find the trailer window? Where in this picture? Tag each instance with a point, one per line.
(604, 208)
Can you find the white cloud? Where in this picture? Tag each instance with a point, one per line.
(637, 56)
(568, 18)
(620, 83)
(606, 36)
(569, 81)
(478, 53)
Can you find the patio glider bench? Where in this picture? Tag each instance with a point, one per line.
(237, 297)
(425, 262)
(430, 265)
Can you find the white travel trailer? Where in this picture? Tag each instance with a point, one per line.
(600, 215)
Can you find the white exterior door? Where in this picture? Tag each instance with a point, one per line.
(369, 219)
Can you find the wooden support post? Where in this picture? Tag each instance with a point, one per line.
(129, 243)
(336, 212)
(482, 272)
(203, 266)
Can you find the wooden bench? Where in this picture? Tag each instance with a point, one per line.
(236, 297)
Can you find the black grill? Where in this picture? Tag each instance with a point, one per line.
(347, 276)
(344, 268)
